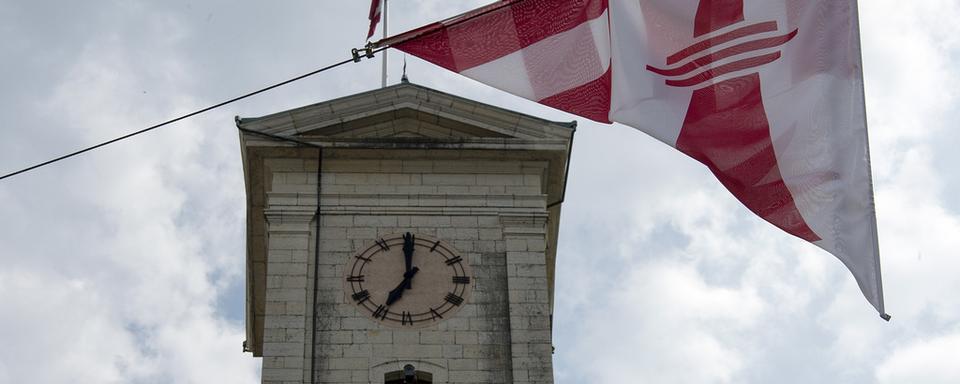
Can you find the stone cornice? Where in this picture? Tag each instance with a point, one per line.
(289, 219)
(418, 143)
(516, 223)
(431, 105)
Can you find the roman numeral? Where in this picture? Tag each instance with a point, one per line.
(362, 258)
(453, 299)
(461, 280)
(454, 260)
(356, 279)
(383, 244)
(434, 245)
(406, 319)
(361, 296)
(434, 315)
(381, 312)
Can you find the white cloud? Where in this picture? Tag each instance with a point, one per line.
(932, 361)
(143, 237)
(664, 324)
(60, 330)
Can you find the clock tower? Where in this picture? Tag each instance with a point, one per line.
(402, 235)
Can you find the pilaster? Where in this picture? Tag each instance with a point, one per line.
(285, 326)
(525, 237)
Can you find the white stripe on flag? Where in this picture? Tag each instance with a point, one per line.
(544, 68)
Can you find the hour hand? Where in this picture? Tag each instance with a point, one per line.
(397, 292)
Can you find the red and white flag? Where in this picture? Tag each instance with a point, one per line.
(374, 17)
(766, 93)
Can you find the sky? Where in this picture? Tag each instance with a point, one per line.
(126, 264)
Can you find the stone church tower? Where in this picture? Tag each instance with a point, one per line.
(429, 255)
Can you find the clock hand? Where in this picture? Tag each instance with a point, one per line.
(408, 253)
(397, 292)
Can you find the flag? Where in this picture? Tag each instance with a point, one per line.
(374, 16)
(767, 94)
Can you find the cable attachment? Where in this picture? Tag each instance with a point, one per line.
(359, 53)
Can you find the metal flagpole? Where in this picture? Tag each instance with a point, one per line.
(383, 79)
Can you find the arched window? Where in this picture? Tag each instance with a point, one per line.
(408, 375)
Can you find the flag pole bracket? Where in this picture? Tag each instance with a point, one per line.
(360, 53)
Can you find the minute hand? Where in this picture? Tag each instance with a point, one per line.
(397, 292)
(408, 240)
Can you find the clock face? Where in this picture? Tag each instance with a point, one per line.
(408, 280)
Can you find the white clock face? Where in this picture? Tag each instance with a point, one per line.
(408, 280)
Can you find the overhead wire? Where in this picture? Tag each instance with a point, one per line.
(369, 53)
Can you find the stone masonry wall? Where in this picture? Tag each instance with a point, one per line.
(490, 208)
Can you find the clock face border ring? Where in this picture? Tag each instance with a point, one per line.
(446, 274)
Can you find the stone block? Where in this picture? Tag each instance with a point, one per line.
(286, 269)
(375, 221)
(436, 337)
(452, 351)
(332, 233)
(462, 364)
(280, 375)
(469, 376)
(498, 180)
(449, 179)
(286, 294)
(417, 351)
(531, 180)
(377, 336)
(275, 281)
(351, 178)
(456, 324)
(526, 257)
(292, 242)
(399, 179)
(355, 323)
(406, 337)
(536, 245)
(490, 234)
(274, 335)
(283, 321)
(524, 283)
(466, 337)
(348, 363)
(392, 200)
(527, 270)
(530, 336)
(329, 220)
(329, 350)
(357, 350)
(465, 234)
(336, 245)
(294, 281)
(283, 349)
(339, 337)
(335, 376)
(516, 245)
(365, 233)
(417, 166)
(453, 189)
(430, 221)
(360, 376)
(293, 362)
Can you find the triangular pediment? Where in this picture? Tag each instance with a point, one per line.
(406, 111)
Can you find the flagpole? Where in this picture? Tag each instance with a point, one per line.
(383, 78)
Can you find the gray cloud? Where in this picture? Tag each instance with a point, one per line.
(126, 265)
